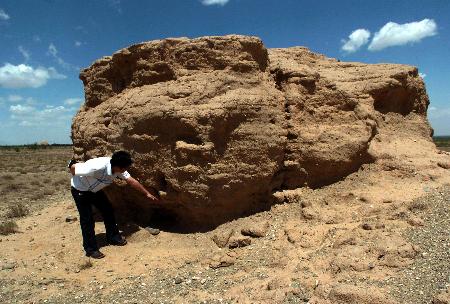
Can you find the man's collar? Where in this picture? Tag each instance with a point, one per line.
(109, 169)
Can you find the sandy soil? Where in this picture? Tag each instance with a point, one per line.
(345, 243)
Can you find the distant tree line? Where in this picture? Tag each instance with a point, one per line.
(442, 141)
(34, 146)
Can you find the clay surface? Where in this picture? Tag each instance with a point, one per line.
(220, 126)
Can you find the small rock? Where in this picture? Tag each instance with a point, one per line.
(415, 221)
(162, 194)
(71, 219)
(237, 242)
(152, 231)
(8, 266)
(364, 199)
(222, 261)
(178, 280)
(256, 230)
(305, 204)
(308, 213)
(367, 226)
(442, 298)
(444, 165)
(221, 238)
(380, 226)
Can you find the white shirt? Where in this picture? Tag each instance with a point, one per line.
(95, 174)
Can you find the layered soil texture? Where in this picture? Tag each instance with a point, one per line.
(220, 126)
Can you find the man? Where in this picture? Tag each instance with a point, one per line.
(88, 180)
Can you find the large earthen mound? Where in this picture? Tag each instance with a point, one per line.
(217, 125)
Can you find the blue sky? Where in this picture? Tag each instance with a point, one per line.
(45, 43)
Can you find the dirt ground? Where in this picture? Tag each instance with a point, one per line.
(371, 238)
(32, 177)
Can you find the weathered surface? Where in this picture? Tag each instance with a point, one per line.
(218, 124)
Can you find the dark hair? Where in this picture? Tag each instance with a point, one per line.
(121, 159)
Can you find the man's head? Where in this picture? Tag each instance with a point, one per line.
(120, 161)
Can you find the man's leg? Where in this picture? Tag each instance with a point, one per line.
(83, 202)
(102, 203)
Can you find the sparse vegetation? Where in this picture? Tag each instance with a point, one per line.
(48, 191)
(443, 142)
(86, 264)
(417, 206)
(31, 174)
(34, 146)
(17, 210)
(8, 227)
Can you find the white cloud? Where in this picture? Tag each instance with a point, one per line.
(33, 121)
(394, 34)
(52, 51)
(215, 2)
(25, 53)
(356, 40)
(26, 115)
(25, 76)
(78, 43)
(3, 15)
(15, 98)
(423, 75)
(21, 109)
(73, 101)
(11, 99)
(36, 38)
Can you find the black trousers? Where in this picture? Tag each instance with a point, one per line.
(84, 201)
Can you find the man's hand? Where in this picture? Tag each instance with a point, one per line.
(71, 166)
(137, 185)
(72, 169)
(151, 197)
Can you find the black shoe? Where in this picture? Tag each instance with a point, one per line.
(117, 241)
(95, 254)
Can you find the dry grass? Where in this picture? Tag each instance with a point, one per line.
(417, 206)
(86, 264)
(8, 227)
(18, 210)
(32, 176)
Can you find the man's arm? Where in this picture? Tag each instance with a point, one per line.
(72, 169)
(138, 186)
